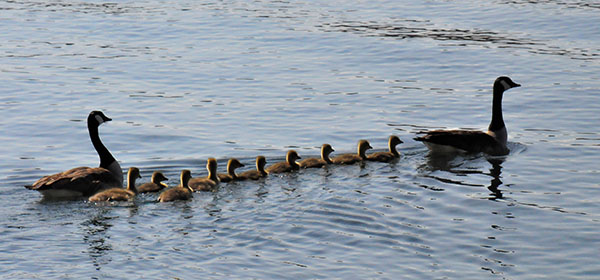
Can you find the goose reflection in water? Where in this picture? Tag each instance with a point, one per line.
(95, 235)
(452, 164)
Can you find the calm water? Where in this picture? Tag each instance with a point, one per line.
(187, 80)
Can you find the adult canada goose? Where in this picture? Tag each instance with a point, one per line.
(181, 192)
(255, 174)
(155, 183)
(208, 183)
(232, 164)
(492, 142)
(84, 181)
(288, 165)
(326, 149)
(387, 156)
(363, 146)
(119, 194)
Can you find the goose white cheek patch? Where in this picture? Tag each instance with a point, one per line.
(505, 85)
(99, 119)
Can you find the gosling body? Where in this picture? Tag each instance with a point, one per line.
(255, 174)
(208, 183)
(230, 176)
(363, 146)
(326, 150)
(119, 194)
(181, 192)
(155, 184)
(392, 154)
(288, 165)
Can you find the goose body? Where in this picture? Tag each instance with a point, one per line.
(492, 142)
(288, 165)
(232, 164)
(119, 194)
(255, 174)
(155, 183)
(387, 156)
(84, 181)
(326, 149)
(181, 192)
(208, 183)
(363, 146)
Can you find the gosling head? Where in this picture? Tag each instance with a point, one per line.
(394, 140)
(291, 157)
(261, 161)
(233, 163)
(326, 149)
(132, 174)
(185, 177)
(363, 146)
(158, 177)
(211, 165)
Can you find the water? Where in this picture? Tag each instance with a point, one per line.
(184, 81)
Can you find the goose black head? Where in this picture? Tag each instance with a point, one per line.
(98, 117)
(505, 83)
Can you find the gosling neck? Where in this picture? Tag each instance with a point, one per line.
(393, 150)
(131, 182)
(325, 156)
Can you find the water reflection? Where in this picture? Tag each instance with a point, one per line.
(453, 164)
(95, 235)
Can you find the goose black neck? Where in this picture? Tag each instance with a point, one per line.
(497, 120)
(106, 159)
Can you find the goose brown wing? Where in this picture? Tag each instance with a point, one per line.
(467, 140)
(86, 180)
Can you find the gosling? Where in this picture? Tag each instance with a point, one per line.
(155, 184)
(208, 183)
(232, 164)
(119, 194)
(387, 156)
(181, 192)
(288, 165)
(255, 174)
(363, 146)
(326, 149)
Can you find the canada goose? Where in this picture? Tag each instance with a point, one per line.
(208, 183)
(155, 183)
(285, 166)
(84, 181)
(492, 142)
(119, 194)
(255, 174)
(181, 192)
(232, 164)
(363, 146)
(326, 149)
(387, 156)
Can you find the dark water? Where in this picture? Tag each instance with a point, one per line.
(188, 80)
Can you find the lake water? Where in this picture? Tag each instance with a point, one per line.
(188, 80)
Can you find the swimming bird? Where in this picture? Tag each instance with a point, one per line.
(155, 183)
(181, 192)
(255, 174)
(288, 165)
(363, 146)
(492, 142)
(85, 181)
(326, 149)
(387, 156)
(208, 183)
(232, 164)
(119, 194)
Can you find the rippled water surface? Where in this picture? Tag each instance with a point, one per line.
(188, 80)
